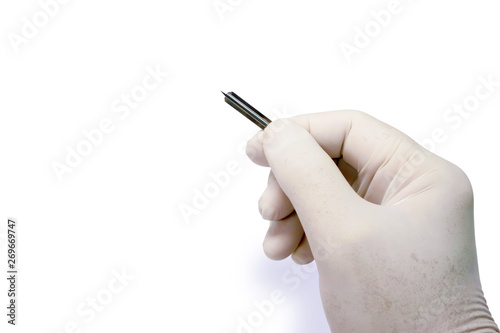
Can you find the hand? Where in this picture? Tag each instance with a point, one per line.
(389, 224)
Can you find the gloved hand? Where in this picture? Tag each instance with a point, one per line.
(389, 224)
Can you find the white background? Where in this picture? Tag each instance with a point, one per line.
(119, 209)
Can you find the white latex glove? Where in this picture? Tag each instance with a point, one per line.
(389, 224)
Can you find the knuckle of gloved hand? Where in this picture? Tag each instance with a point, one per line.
(267, 211)
(458, 180)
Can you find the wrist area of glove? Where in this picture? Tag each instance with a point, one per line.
(468, 313)
(449, 308)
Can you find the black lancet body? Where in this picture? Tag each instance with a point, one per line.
(246, 109)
